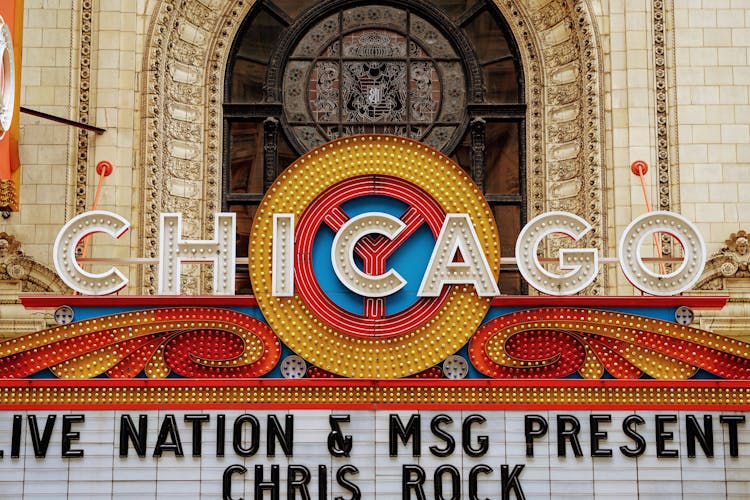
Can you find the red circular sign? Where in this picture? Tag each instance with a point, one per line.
(373, 250)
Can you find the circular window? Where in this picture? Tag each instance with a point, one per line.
(374, 69)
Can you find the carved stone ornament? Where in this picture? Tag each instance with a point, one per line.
(188, 49)
(82, 151)
(33, 276)
(732, 261)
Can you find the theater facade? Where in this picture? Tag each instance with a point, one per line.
(395, 249)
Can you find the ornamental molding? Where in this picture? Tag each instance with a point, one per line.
(84, 87)
(33, 276)
(188, 48)
(732, 261)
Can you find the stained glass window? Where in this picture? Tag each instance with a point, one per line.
(444, 72)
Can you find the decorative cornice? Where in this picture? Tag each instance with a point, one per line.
(731, 261)
(33, 276)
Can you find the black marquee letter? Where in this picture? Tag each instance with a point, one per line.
(69, 435)
(297, 479)
(412, 478)
(451, 471)
(704, 436)
(197, 421)
(15, 443)
(628, 425)
(226, 490)
(285, 437)
(484, 441)
(412, 430)
(437, 431)
(41, 443)
(254, 435)
(597, 435)
(168, 430)
(128, 433)
(571, 434)
(339, 445)
(272, 485)
(730, 420)
(221, 429)
(473, 473)
(344, 482)
(534, 426)
(511, 482)
(662, 436)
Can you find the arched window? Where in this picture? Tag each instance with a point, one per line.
(444, 72)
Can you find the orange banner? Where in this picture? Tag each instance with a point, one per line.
(11, 31)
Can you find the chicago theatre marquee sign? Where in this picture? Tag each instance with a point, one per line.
(377, 357)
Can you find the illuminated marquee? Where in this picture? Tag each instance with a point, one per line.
(377, 357)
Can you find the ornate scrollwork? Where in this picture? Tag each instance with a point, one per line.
(33, 276)
(190, 342)
(731, 261)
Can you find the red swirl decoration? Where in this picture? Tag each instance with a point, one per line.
(557, 342)
(190, 342)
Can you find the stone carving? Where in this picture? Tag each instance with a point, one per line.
(664, 152)
(731, 261)
(33, 276)
(84, 85)
(560, 52)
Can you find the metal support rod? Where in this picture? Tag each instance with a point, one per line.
(639, 168)
(65, 121)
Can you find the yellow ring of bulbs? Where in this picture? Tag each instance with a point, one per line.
(337, 351)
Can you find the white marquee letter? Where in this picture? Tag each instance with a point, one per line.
(583, 262)
(173, 251)
(64, 252)
(342, 254)
(458, 234)
(683, 231)
(282, 268)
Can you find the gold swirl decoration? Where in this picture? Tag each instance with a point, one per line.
(190, 342)
(557, 342)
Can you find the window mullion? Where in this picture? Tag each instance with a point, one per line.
(478, 161)
(270, 151)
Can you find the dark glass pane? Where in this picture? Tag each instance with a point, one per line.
(247, 81)
(462, 154)
(510, 282)
(508, 219)
(242, 284)
(454, 8)
(294, 7)
(501, 152)
(245, 214)
(260, 38)
(500, 82)
(487, 37)
(287, 154)
(246, 158)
